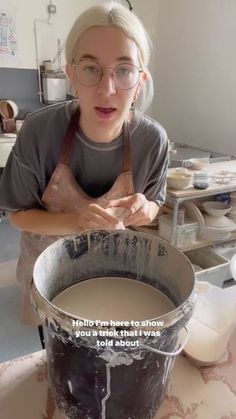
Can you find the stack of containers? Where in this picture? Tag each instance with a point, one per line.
(232, 212)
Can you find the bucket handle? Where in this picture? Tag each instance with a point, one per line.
(176, 352)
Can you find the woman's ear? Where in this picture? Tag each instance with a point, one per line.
(69, 70)
(142, 80)
(144, 76)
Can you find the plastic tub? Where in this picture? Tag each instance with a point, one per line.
(227, 251)
(214, 266)
(212, 323)
(185, 234)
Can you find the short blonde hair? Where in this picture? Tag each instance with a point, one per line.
(114, 14)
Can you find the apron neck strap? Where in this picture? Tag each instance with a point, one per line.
(127, 162)
(69, 142)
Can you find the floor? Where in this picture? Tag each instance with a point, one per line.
(15, 338)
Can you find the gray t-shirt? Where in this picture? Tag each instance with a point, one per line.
(94, 165)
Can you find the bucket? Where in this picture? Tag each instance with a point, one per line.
(94, 382)
(54, 87)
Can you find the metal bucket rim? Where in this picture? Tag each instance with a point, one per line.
(66, 318)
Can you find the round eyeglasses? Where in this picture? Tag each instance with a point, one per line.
(89, 73)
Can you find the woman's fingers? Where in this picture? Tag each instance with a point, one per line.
(140, 217)
(103, 213)
(95, 217)
(133, 202)
(136, 206)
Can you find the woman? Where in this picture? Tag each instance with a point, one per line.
(72, 161)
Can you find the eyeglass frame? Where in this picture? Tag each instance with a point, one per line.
(140, 70)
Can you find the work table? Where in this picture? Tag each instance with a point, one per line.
(193, 393)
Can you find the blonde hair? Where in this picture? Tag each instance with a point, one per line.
(114, 14)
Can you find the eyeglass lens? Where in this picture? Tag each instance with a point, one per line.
(89, 73)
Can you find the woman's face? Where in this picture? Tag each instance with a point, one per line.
(104, 106)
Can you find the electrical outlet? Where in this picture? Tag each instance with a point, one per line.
(52, 8)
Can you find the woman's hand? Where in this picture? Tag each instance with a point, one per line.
(91, 217)
(142, 211)
(94, 217)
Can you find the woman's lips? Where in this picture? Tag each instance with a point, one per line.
(104, 112)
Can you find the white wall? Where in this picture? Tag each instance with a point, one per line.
(196, 72)
(147, 11)
(24, 12)
(193, 60)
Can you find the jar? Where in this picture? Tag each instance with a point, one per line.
(47, 65)
(201, 180)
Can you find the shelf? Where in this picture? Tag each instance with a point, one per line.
(202, 243)
(191, 193)
(214, 189)
(197, 245)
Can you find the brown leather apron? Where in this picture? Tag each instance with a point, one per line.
(64, 194)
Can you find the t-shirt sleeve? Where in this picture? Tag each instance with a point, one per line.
(20, 186)
(155, 189)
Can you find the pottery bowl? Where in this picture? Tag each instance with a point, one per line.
(216, 208)
(178, 181)
(199, 164)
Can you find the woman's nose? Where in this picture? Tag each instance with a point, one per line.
(107, 84)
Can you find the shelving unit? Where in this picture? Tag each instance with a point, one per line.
(176, 197)
(217, 270)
